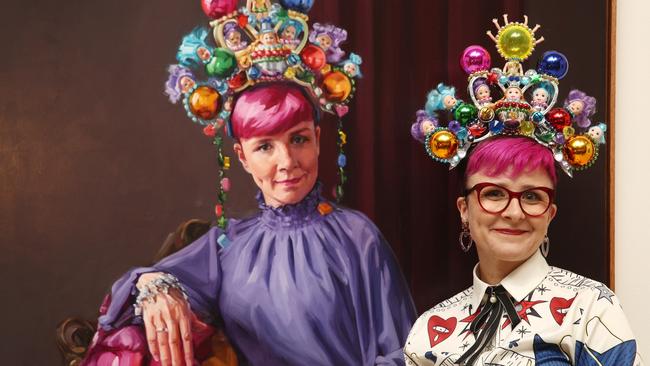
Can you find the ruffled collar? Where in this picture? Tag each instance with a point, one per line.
(297, 214)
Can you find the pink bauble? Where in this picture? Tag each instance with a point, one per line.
(215, 9)
(225, 184)
(475, 58)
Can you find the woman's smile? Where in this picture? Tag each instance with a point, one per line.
(506, 231)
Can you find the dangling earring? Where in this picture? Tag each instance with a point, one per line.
(546, 245)
(465, 238)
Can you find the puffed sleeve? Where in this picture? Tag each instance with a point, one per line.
(385, 311)
(196, 267)
(602, 333)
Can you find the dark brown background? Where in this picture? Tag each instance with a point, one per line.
(96, 167)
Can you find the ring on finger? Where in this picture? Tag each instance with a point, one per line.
(161, 330)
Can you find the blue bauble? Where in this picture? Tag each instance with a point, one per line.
(537, 117)
(496, 127)
(254, 73)
(302, 6)
(342, 161)
(554, 64)
(462, 133)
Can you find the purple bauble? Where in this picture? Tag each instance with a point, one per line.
(475, 58)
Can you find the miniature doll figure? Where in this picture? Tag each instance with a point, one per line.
(194, 51)
(597, 133)
(482, 92)
(290, 32)
(513, 94)
(352, 66)
(581, 106)
(441, 98)
(232, 35)
(424, 125)
(259, 8)
(269, 55)
(513, 68)
(541, 97)
(180, 82)
(329, 38)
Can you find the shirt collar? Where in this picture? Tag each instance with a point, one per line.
(518, 283)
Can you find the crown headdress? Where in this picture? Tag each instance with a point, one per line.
(524, 104)
(261, 42)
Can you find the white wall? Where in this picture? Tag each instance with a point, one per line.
(632, 166)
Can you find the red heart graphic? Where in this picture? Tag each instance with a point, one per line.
(559, 307)
(440, 329)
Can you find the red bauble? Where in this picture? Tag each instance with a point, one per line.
(242, 20)
(218, 210)
(209, 131)
(215, 9)
(237, 81)
(559, 118)
(314, 57)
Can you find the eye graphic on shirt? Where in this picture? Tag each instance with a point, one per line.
(559, 308)
(440, 329)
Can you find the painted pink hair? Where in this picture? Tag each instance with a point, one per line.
(519, 154)
(270, 109)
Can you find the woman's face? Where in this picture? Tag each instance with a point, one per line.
(284, 166)
(511, 236)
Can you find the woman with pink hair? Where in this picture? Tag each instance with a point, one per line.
(302, 282)
(519, 310)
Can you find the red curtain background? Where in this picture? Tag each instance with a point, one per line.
(96, 167)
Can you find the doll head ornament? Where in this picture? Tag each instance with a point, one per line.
(509, 101)
(260, 42)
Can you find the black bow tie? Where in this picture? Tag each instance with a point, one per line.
(486, 323)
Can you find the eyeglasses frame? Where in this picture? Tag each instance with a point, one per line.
(511, 194)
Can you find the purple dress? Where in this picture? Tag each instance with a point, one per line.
(292, 286)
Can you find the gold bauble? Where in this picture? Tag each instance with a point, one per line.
(204, 102)
(579, 151)
(443, 144)
(486, 114)
(337, 86)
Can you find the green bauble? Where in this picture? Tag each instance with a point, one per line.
(222, 64)
(465, 113)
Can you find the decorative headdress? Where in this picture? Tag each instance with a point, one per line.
(523, 104)
(213, 71)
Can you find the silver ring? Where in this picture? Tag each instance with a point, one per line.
(161, 330)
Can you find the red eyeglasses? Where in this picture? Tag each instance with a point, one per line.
(494, 198)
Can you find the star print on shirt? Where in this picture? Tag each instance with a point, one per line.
(605, 293)
(523, 331)
(541, 289)
(524, 309)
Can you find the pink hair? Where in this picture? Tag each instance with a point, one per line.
(515, 155)
(270, 109)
